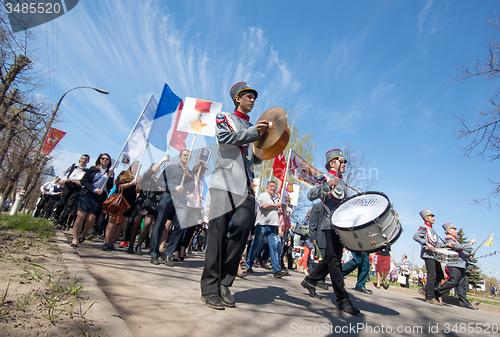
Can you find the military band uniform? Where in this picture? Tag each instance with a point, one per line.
(456, 271)
(331, 264)
(426, 235)
(232, 200)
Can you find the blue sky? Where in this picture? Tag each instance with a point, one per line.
(376, 73)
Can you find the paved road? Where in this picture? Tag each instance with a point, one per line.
(163, 301)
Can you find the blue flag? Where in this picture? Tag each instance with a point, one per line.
(169, 103)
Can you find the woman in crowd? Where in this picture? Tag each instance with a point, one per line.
(405, 270)
(129, 186)
(283, 233)
(195, 211)
(96, 183)
(383, 267)
(306, 244)
(149, 189)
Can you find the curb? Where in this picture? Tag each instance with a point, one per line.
(102, 313)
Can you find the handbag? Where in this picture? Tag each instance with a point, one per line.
(115, 203)
(301, 232)
(150, 205)
(402, 279)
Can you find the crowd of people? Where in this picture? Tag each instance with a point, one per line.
(238, 231)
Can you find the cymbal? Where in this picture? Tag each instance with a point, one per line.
(275, 149)
(277, 124)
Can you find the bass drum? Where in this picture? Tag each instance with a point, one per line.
(366, 222)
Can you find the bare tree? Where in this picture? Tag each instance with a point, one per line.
(357, 174)
(482, 129)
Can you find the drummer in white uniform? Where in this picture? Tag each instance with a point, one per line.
(456, 271)
(427, 237)
(332, 192)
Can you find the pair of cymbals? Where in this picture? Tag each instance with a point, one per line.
(276, 138)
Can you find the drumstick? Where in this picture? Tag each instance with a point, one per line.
(352, 187)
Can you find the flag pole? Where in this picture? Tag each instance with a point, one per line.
(286, 172)
(287, 163)
(482, 244)
(189, 158)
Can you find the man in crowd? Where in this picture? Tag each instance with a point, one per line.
(266, 225)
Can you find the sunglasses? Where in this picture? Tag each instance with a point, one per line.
(105, 158)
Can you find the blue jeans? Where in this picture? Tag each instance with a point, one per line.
(271, 232)
(362, 263)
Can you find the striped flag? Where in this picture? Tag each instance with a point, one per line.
(169, 103)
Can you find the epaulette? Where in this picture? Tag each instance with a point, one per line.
(220, 118)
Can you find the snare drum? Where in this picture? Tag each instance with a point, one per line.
(366, 222)
(444, 255)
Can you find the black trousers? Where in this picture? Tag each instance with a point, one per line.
(434, 276)
(68, 203)
(40, 205)
(50, 204)
(459, 282)
(331, 264)
(166, 212)
(226, 243)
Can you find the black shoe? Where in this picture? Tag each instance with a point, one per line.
(281, 273)
(213, 301)
(112, 247)
(267, 266)
(311, 288)
(469, 307)
(130, 250)
(363, 290)
(346, 306)
(385, 285)
(81, 240)
(154, 260)
(250, 270)
(169, 261)
(226, 297)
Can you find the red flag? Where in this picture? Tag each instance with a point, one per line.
(178, 138)
(279, 166)
(53, 137)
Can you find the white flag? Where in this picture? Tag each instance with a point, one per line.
(302, 170)
(138, 137)
(198, 116)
